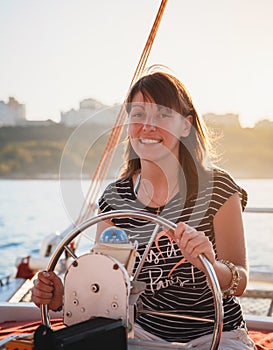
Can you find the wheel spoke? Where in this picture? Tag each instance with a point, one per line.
(167, 314)
(70, 252)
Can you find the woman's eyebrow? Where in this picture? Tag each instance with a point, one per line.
(136, 104)
(167, 109)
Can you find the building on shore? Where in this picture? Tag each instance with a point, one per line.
(90, 111)
(12, 113)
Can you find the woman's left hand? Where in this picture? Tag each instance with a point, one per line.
(192, 243)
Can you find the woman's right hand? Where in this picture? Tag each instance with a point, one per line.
(48, 289)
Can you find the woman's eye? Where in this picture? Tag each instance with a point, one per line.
(136, 114)
(164, 115)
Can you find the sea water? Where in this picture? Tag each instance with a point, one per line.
(30, 210)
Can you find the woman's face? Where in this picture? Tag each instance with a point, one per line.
(154, 131)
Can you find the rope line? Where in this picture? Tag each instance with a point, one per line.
(103, 166)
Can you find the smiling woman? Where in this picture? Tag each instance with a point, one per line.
(165, 173)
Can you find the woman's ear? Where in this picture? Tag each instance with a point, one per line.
(187, 126)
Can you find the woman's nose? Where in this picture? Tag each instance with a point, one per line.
(149, 122)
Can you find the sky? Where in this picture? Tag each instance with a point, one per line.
(55, 53)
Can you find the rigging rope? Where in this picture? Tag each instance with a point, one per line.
(101, 171)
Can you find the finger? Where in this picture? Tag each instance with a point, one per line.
(42, 293)
(200, 246)
(54, 284)
(182, 229)
(198, 249)
(42, 286)
(179, 230)
(45, 277)
(190, 239)
(55, 280)
(39, 297)
(51, 279)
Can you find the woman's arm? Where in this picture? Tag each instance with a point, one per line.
(230, 243)
(230, 246)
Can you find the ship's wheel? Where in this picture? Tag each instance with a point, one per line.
(160, 222)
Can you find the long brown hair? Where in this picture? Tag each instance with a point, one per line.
(166, 90)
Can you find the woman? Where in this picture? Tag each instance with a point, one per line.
(165, 173)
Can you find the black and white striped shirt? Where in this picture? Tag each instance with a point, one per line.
(172, 284)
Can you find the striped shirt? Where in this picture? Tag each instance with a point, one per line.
(172, 284)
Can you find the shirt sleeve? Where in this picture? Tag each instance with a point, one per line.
(224, 187)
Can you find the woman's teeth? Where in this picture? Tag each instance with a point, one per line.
(149, 141)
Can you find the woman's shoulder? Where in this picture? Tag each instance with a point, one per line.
(225, 185)
(221, 176)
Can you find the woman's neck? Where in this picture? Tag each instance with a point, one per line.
(159, 174)
(155, 185)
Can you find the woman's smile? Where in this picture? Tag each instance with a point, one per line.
(147, 141)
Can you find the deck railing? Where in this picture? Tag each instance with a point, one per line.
(259, 293)
(259, 210)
